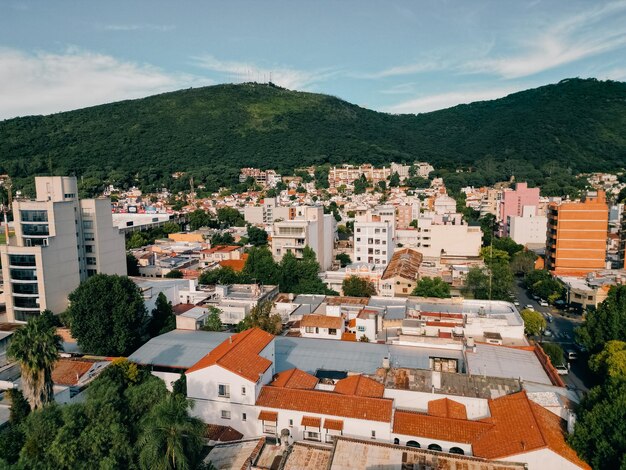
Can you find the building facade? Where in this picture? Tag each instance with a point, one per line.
(577, 235)
(514, 201)
(59, 242)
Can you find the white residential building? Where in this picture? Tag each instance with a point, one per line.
(374, 236)
(59, 242)
(529, 228)
(307, 226)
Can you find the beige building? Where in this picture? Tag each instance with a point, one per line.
(310, 227)
(59, 242)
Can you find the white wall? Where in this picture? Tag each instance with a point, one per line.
(542, 459)
(477, 408)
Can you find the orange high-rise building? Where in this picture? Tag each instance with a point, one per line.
(577, 234)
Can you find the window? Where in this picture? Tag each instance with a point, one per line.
(358, 258)
(91, 260)
(87, 223)
(360, 328)
(309, 329)
(373, 434)
(225, 414)
(88, 236)
(358, 230)
(377, 230)
(435, 447)
(384, 230)
(457, 450)
(89, 248)
(358, 239)
(244, 417)
(291, 423)
(223, 391)
(243, 390)
(312, 436)
(332, 331)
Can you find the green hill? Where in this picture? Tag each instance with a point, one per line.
(573, 126)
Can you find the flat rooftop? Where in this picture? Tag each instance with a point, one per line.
(419, 380)
(303, 456)
(182, 349)
(233, 455)
(502, 361)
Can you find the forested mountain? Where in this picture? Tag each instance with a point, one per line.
(548, 132)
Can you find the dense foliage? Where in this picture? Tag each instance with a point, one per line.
(543, 135)
(107, 315)
(355, 286)
(128, 420)
(534, 322)
(606, 323)
(432, 287)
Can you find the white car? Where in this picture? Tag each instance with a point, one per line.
(529, 307)
(543, 303)
(562, 370)
(547, 333)
(516, 303)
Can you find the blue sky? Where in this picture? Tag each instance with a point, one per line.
(394, 56)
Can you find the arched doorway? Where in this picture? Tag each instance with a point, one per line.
(435, 447)
(413, 444)
(457, 450)
(396, 441)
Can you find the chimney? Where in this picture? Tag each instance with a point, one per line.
(435, 379)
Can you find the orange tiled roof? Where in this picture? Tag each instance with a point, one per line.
(239, 354)
(182, 308)
(321, 321)
(446, 408)
(519, 426)
(265, 415)
(352, 323)
(217, 432)
(358, 385)
(221, 249)
(294, 378)
(347, 336)
(68, 372)
(236, 265)
(411, 423)
(334, 424)
(311, 421)
(326, 403)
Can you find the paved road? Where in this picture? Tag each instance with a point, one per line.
(562, 329)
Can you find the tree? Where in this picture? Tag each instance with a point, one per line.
(554, 352)
(224, 238)
(256, 236)
(132, 265)
(394, 180)
(213, 322)
(344, 259)
(261, 317)
(432, 287)
(507, 244)
(175, 274)
(224, 275)
(477, 283)
(523, 262)
(163, 318)
(260, 266)
(360, 185)
(606, 323)
(534, 323)
(170, 438)
(229, 217)
(180, 386)
(198, 219)
(493, 255)
(611, 361)
(382, 185)
(136, 240)
(488, 225)
(355, 286)
(106, 315)
(36, 349)
(364, 339)
(600, 430)
(20, 408)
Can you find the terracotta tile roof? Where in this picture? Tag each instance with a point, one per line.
(519, 426)
(352, 323)
(216, 432)
(441, 324)
(294, 378)
(236, 265)
(321, 321)
(68, 372)
(182, 308)
(358, 385)
(404, 263)
(221, 249)
(326, 403)
(239, 354)
(311, 421)
(411, 423)
(265, 415)
(342, 299)
(446, 408)
(441, 315)
(334, 424)
(346, 336)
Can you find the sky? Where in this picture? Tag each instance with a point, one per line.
(389, 55)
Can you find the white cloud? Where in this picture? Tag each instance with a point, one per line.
(408, 69)
(43, 83)
(139, 27)
(425, 104)
(592, 32)
(248, 72)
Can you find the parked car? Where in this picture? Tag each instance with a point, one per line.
(543, 303)
(562, 369)
(571, 355)
(516, 303)
(535, 297)
(549, 317)
(547, 332)
(529, 307)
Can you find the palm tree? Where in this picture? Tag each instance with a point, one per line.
(36, 348)
(170, 439)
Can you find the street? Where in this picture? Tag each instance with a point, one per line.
(562, 332)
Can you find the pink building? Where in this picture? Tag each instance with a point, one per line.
(513, 202)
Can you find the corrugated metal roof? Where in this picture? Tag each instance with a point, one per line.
(501, 361)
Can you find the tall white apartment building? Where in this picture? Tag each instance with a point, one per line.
(59, 242)
(374, 236)
(527, 228)
(307, 226)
